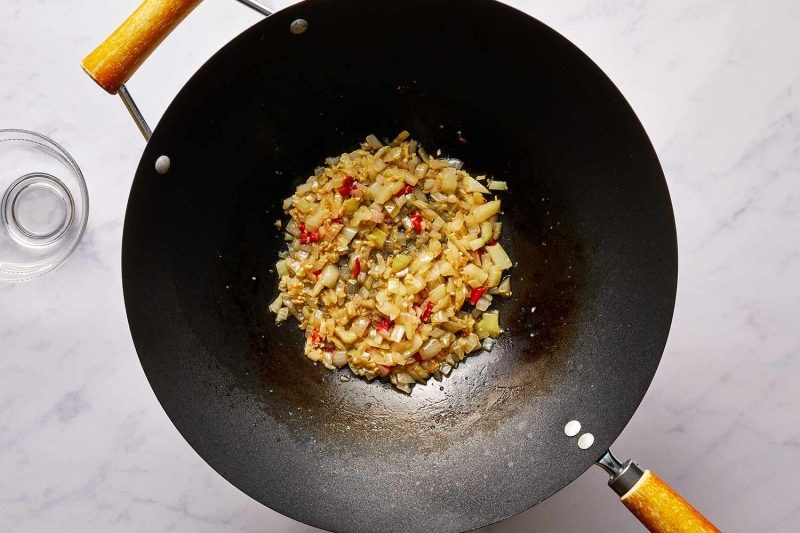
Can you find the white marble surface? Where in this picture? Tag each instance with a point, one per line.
(84, 446)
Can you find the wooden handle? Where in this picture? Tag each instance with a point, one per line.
(661, 510)
(113, 62)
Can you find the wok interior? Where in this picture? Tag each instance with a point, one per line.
(267, 359)
(587, 218)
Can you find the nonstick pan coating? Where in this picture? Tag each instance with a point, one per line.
(588, 219)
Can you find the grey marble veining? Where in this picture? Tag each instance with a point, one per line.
(84, 445)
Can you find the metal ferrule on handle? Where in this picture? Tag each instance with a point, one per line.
(659, 508)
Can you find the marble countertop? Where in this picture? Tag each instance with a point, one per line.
(85, 446)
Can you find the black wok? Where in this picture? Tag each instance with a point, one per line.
(588, 220)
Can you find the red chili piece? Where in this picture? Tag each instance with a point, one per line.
(337, 220)
(479, 251)
(492, 243)
(417, 357)
(416, 221)
(357, 268)
(309, 236)
(405, 190)
(384, 325)
(347, 187)
(318, 272)
(427, 313)
(315, 338)
(476, 294)
(302, 226)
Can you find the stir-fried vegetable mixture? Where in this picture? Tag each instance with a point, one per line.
(386, 245)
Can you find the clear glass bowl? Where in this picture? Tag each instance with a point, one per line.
(44, 208)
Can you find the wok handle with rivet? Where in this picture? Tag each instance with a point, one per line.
(659, 508)
(113, 62)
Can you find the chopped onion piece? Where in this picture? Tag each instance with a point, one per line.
(487, 326)
(498, 185)
(388, 309)
(497, 227)
(470, 184)
(484, 302)
(438, 164)
(475, 275)
(486, 230)
(437, 294)
(347, 234)
(276, 305)
(495, 273)
(420, 261)
(476, 244)
(504, 289)
(329, 276)
(373, 142)
(281, 268)
(315, 221)
(397, 333)
(339, 358)
(402, 136)
(400, 262)
(449, 180)
(499, 256)
(485, 211)
(430, 349)
(283, 314)
(394, 286)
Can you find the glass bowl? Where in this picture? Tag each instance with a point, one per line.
(44, 208)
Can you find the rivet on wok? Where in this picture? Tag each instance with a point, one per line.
(585, 441)
(299, 26)
(162, 164)
(572, 428)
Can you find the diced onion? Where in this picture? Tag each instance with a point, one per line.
(283, 314)
(374, 142)
(281, 268)
(430, 348)
(404, 377)
(485, 211)
(397, 333)
(472, 185)
(449, 180)
(339, 358)
(437, 294)
(484, 302)
(475, 276)
(329, 276)
(348, 233)
(388, 309)
(420, 261)
(497, 185)
(276, 305)
(487, 326)
(371, 287)
(499, 256)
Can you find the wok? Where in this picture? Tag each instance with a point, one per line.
(588, 220)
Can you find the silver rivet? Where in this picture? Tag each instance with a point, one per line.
(585, 441)
(162, 164)
(572, 428)
(299, 26)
